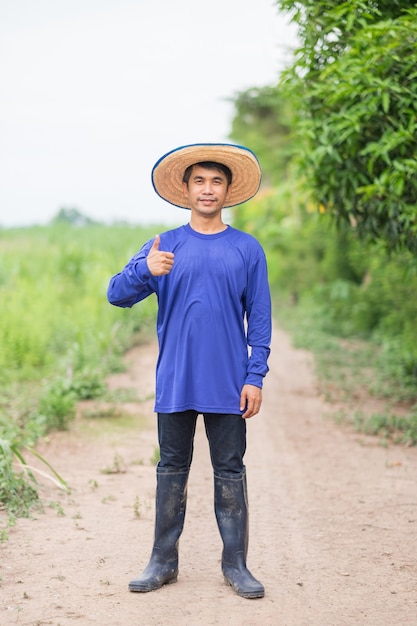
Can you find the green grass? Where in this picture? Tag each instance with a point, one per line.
(353, 372)
(59, 336)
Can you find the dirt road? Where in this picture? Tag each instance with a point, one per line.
(333, 520)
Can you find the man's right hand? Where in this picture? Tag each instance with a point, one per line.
(159, 262)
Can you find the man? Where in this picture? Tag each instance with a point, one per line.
(213, 309)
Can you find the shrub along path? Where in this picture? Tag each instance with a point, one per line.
(333, 519)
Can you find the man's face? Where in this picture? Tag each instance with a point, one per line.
(206, 190)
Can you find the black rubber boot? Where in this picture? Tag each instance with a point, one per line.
(231, 508)
(170, 504)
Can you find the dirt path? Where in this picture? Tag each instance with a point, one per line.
(333, 521)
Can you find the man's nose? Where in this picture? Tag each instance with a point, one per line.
(208, 189)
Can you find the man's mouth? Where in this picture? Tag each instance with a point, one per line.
(207, 200)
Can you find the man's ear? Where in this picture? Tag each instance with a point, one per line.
(185, 190)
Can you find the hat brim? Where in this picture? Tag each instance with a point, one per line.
(168, 172)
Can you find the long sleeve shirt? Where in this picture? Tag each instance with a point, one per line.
(214, 317)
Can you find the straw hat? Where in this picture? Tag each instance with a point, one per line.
(168, 172)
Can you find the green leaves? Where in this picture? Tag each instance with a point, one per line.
(356, 92)
(263, 121)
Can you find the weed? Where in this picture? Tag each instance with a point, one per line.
(18, 489)
(156, 456)
(137, 462)
(400, 429)
(4, 535)
(58, 507)
(137, 507)
(107, 499)
(88, 384)
(116, 468)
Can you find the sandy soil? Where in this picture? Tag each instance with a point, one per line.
(333, 520)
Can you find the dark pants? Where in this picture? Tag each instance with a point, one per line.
(226, 435)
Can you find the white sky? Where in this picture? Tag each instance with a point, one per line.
(93, 92)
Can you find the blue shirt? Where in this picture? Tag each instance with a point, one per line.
(214, 317)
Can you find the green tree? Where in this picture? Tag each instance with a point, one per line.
(73, 217)
(325, 26)
(354, 86)
(263, 121)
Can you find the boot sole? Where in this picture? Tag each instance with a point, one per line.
(145, 589)
(249, 595)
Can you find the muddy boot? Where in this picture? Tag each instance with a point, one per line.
(170, 503)
(231, 508)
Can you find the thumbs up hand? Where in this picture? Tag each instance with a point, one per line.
(159, 262)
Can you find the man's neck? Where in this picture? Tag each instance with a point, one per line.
(207, 226)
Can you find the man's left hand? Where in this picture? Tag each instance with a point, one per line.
(251, 400)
